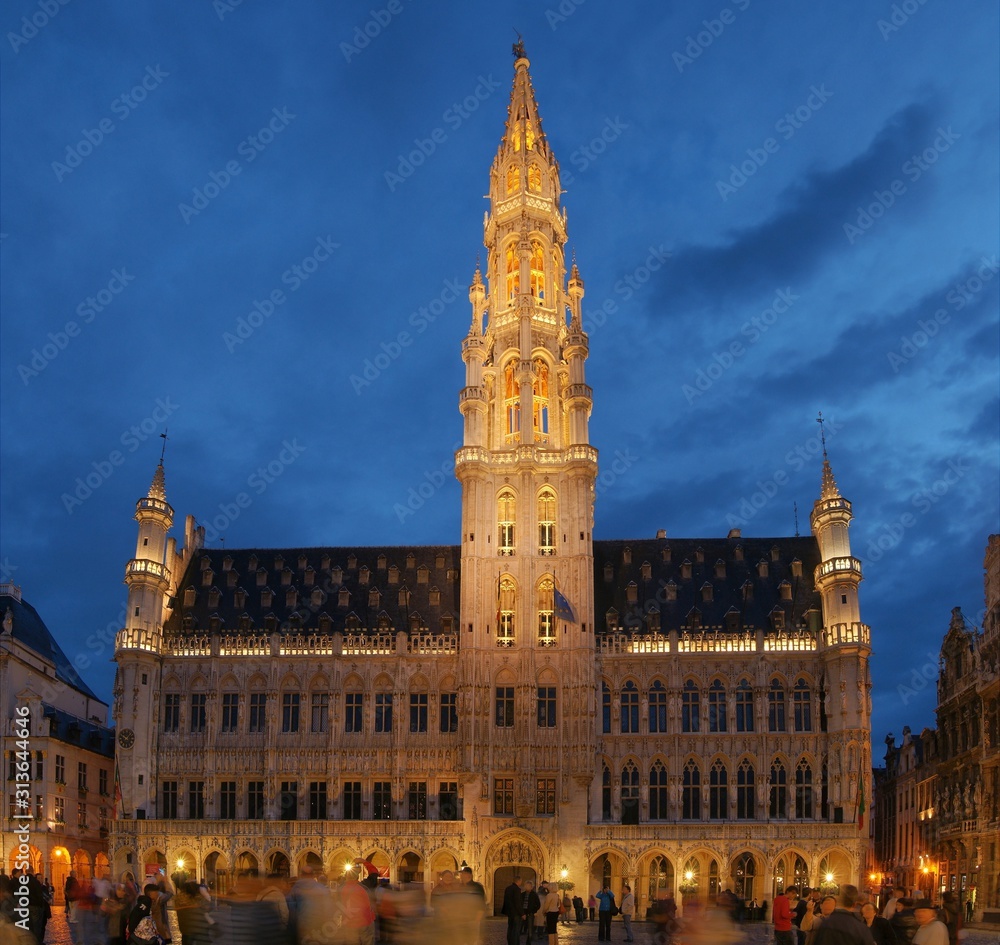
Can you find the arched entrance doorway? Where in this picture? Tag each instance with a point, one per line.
(607, 870)
(512, 852)
(60, 867)
(656, 880)
(217, 874)
(503, 876)
(410, 868)
(789, 870)
(246, 862)
(309, 861)
(744, 874)
(81, 865)
(278, 863)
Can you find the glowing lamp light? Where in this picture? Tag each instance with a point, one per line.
(689, 876)
(348, 866)
(925, 870)
(564, 873)
(829, 877)
(180, 863)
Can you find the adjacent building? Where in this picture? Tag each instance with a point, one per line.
(680, 713)
(68, 755)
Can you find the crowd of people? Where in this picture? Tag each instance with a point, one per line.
(849, 917)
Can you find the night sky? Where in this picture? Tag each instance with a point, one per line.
(219, 219)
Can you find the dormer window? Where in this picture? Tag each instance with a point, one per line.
(653, 619)
(738, 553)
(380, 564)
(279, 562)
(206, 562)
(647, 571)
(394, 575)
(609, 572)
(363, 575)
(231, 578)
(411, 561)
(240, 598)
(403, 597)
(374, 597)
(423, 574)
(699, 555)
(439, 561)
(337, 575)
(252, 563)
(778, 618)
(611, 620)
(694, 619)
(732, 620)
(213, 598)
(286, 577)
(303, 562)
(324, 563)
(686, 570)
(207, 577)
(352, 622)
(189, 596)
(785, 589)
(706, 591)
(434, 597)
(796, 568)
(227, 563)
(352, 562)
(762, 568)
(626, 555)
(261, 577)
(343, 597)
(775, 552)
(665, 554)
(631, 593)
(720, 568)
(747, 590)
(309, 576)
(266, 597)
(671, 591)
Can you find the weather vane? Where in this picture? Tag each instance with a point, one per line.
(795, 509)
(163, 436)
(822, 432)
(518, 47)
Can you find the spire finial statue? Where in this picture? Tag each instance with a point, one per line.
(518, 47)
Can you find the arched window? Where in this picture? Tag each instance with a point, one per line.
(691, 796)
(718, 792)
(605, 709)
(744, 876)
(513, 272)
(547, 522)
(540, 401)
(605, 792)
(746, 792)
(690, 707)
(630, 794)
(537, 270)
(630, 709)
(658, 792)
(716, 707)
(744, 706)
(778, 804)
(804, 791)
(513, 179)
(802, 706)
(661, 878)
(535, 179)
(657, 709)
(529, 135)
(776, 707)
(506, 517)
(511, 403)
(505, 628)
(546, 621)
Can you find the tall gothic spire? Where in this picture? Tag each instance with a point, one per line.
(158, 488)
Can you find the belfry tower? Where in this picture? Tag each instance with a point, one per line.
(527, 471)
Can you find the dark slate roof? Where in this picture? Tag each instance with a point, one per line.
(71, 730)
(741, 588)
(30, 629)
(736, 586)
(294, 566)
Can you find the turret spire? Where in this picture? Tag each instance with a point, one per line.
(158, 487)
(828, 487)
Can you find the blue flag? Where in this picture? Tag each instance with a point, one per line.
(563, 608)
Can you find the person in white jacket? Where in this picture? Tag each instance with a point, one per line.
(627, 909)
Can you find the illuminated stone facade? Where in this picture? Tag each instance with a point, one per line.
(531, 698)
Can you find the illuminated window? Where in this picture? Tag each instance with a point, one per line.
(546, 617)
(512, 404)
(658, 792)
(529, 135)
(545, 796)
(504, 715)
(503, 796)
(506, 604)
(506, 512)
(513, 272)
(537, 270)
(540, 402)
(535, 179)
(547, 522)
(513, 180)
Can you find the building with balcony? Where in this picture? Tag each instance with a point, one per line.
(666, 711)
(59, 779)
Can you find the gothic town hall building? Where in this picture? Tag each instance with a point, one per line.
(682, 714)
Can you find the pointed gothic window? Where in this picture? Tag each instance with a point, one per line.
(746, 792)
(802, 706)
(630, 794)
(540, 399)
(535, 179)
(512, 403)
(529, 135)
(547, 522)
(506, 611)
(546, 619)
(803, 791)
(513, 180)
(506, 505)
(658, 792)
(513, 272)
(778, 804)
(718, 792)
(691, 792)
(537, 272)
